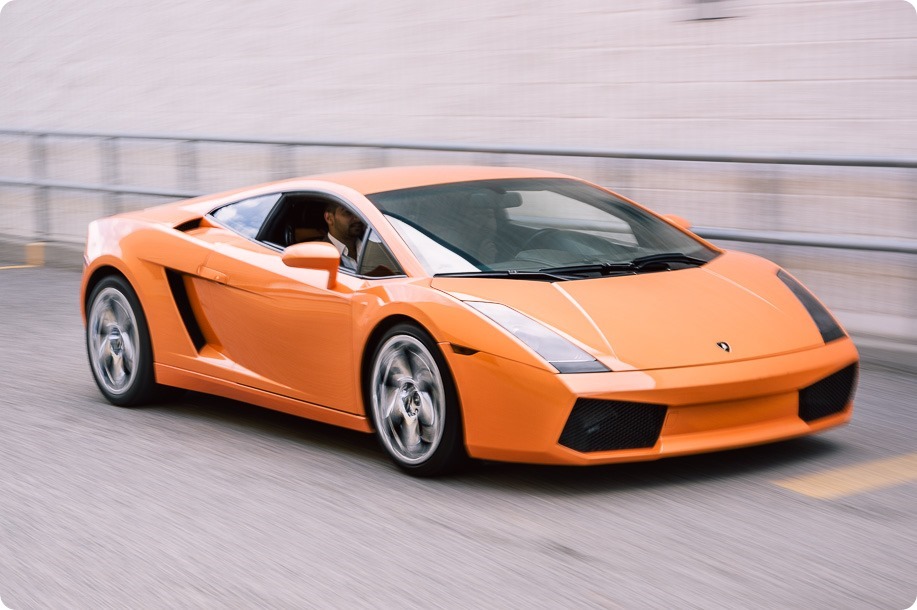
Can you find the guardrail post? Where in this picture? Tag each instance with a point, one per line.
(625, 180)
(42, 215)
(491, 158)
(282, 165)
(382, 155)
(187, 166)
(913, 268)
(775, 213)
(598, 173)
(111, 173)
(765, 196)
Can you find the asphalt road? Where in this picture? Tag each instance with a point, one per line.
(208, 503)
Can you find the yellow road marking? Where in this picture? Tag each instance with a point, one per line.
(16, 267)
(35, 253)
(851, 480)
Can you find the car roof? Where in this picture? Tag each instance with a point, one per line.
(363, 181)
(369, 181)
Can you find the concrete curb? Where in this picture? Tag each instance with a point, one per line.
(887, 353)
(60, 255)
(883, 352)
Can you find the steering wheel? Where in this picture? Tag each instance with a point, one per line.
(534, 237)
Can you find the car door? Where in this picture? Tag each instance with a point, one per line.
(186, 341)
(286, 331)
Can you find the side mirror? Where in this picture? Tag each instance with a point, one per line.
(319, 255)
(678, 221)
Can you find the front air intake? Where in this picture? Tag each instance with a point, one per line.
(828, 396)
(606, 425)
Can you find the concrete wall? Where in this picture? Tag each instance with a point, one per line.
(826, 77)
(820, 76)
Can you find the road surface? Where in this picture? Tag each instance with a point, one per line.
(209, 503)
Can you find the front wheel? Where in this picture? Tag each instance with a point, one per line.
(414, 404)
(118, 344)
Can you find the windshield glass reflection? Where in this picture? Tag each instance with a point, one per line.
(527, 225)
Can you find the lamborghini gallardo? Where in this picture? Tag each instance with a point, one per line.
(463, 312)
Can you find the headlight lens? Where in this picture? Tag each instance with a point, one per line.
(559, 352)
(827, 325)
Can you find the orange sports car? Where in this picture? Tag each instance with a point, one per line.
(497, 313)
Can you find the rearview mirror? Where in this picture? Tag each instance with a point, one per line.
(319, 255)
(678, 221)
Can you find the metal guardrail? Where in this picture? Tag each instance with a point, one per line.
(810, 240)
(41, 183)
(100, 188)
(887, 162)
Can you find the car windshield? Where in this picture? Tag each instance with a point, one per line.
(514, 226)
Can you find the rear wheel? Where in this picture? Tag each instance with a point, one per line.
(118, 344)
(414, 404)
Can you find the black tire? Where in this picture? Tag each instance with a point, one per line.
(118, 344)
(414, 405)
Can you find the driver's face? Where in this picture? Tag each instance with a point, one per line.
(344, 223)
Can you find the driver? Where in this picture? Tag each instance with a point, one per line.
(345, 232)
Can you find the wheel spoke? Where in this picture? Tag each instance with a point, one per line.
(121, 316)
(399, 366)
(427, 418)
(106, 319)
(127, 352)
(388, 398)
(426, 382)
(426, 411)
(419, 366)
(103, 354)
(116, 369)
(108, 310)
(410, 434)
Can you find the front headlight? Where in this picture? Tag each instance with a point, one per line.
(827, 325)
(559, 352)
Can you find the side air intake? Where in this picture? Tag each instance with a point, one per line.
(180, 296)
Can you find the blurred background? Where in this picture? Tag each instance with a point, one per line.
(775, 127)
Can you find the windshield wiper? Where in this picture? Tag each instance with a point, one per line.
(653, 262)
(666, 257)
(512, 274)
(600, 268)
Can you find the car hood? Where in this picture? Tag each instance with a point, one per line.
(663, 319)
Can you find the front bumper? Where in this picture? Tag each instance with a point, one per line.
(517, 413)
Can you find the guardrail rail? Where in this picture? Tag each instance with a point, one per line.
(111, 152)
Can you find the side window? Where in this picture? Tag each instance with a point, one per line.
(298, 218)
(304, 216)
(246, 216)
(377, 261)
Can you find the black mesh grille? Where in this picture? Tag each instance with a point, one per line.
(828, 396)
(604, 425)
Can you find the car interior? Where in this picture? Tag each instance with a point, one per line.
(300, 217)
